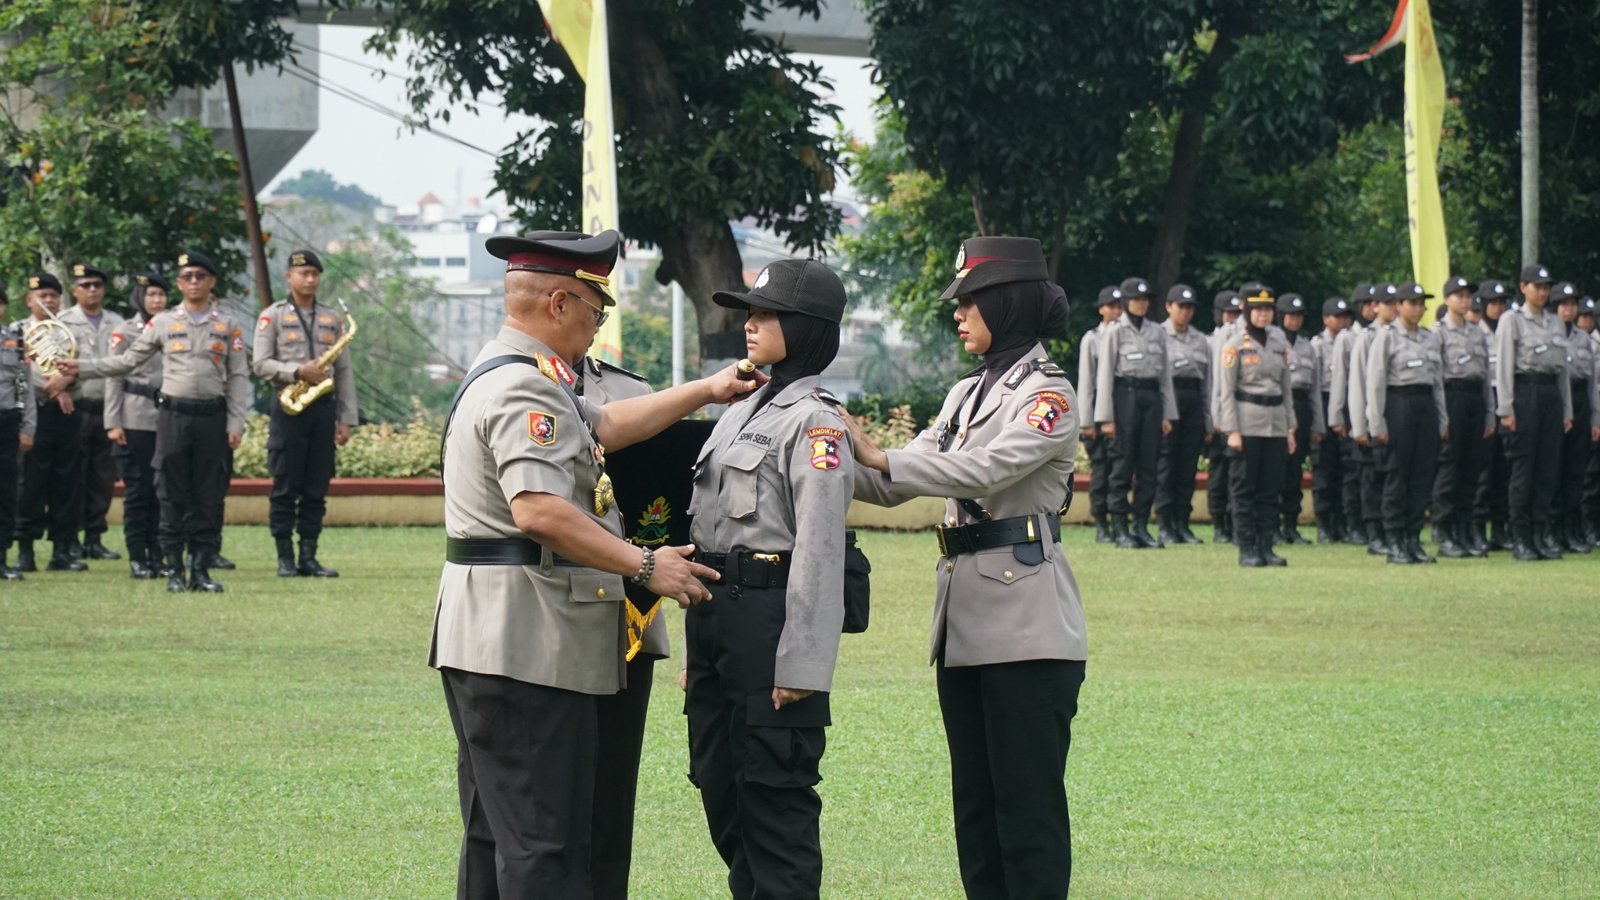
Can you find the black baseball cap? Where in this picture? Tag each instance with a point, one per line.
(1254, 293)
(1135, 287)
(1292, 303)
(802, 286)
(1408, 290)
(1181, 294)
(43, 281)
(305, 258)
(987, 261)
(1227, 301)
(196, 258)
(1586, 306)
(1108, 294)
(1456, 283)
(1564, 291)
(588, 258)
(1337, 306)
(1493, 289)
(1535, 274)
(1365, 292)
(83, 271)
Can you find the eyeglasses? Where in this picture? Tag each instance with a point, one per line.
(92, 285)
(601, 314)
(194, 276)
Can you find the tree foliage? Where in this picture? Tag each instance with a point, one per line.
(317, 184)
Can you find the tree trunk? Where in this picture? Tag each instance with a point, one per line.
(1530, 132)
(700, 255)
(1166, 252)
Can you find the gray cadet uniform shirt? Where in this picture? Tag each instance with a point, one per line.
(1014, 455)
(1263, 371)
(16, 382)
(1584, 365)
(1530, 343)
(1465, 349)
(94, 341)
(200, 360)
(124, 408)
(517, 430)
(1088, 361)
(780, 481)
(1401, 358)
(1356, 380)
(1305, 374)
(1129, 351)
(1190, 354)
(282, 346)
(1219, 339)
(601, 385)
(1339, 383)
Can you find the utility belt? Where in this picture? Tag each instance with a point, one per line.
(1138, 384)
(1187, 384)
(1535, 378)
(141, 388)
(955, 540)
(515, 551)
(749, 568)
(92, 406)
(1464, 386)
(1259, 399)
(1411, 389)
(210, 406)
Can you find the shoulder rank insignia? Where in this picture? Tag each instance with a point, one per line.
(542, 428)
(824, 447)
(1018, 374)
(1045, 410)
(602, 364)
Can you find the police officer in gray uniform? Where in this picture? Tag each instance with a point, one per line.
(529, 627)
(1387, 304)
(1578, 442)
(1134, 408)
(1257, 415)
(1305, 372)
(131, 420)
(1591, 479)
(1109, 305)
(205, 391)
(1470, 405)
(1354, 457)
(1327, 457)
(1008, 636)
(1491, 508)
(1228, 309)
(92, 325)
(18, 421)
(1406, 419)
(1534, 392)
(51, 495)
(1190, 354)
(772, 487)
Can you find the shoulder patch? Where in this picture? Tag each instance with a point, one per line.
(1045, 410)
(542, 428)
(1230, 357)
(116, 340)
(238, 342)
(263, 322)
(824, 447)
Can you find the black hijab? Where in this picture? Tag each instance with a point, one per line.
(1019, 315)
(811, 344)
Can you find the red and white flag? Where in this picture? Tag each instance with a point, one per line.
(1393, 36)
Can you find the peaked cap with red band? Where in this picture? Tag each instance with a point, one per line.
(988, 261)
(588, 258)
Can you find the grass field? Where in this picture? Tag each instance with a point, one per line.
(1337, 728)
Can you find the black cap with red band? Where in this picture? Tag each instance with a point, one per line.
(588, 258)
(988, 261)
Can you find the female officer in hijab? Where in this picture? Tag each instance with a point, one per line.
(130, 422)
(1008, 635)
(771, 490)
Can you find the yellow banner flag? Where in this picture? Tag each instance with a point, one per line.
(1424, 122)
(579, 26)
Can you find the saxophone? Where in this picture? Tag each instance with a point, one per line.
(296, 397)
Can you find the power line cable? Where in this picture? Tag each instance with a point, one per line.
(310, 77)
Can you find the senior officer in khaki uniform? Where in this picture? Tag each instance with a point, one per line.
(51, 496)
(1306, 374)
(1109, 306)
(18, 422)
(1257, 415)
(1134, 409)
(1470, 407)
(92, 325)
(1190, 355)
(131, 421)
(772, 488)
(1008, 634)
(1406, 418)
(529, 627)
(290, 336)
(205, 391)
(1533, 387)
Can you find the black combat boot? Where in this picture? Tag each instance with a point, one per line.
(1139, 530)
(286, 566)
(1355, 535)
(1267, 556)
(1377, 543)
(140, 570)
(1414, 547)
(199, 578)
(218, 561)
(1119, 531)
(74, 549)
(1576, 542)
(1450, 543)
(1545, 541)
(1498, 537)
(1186, 532)
(61, 560)
(1475, 540)
(6, 572)
(309, 566)
(1224, 528)
(1168, 532)
(174, 570)
(1397, 552)
(94, 548)
(25, 561)
(1522, 546)
(1102, 530)
(1249, 550)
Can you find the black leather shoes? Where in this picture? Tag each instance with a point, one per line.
(310, 568)
(201, 580)
(94, 549)
(61, 562)
(218, 561)
(25, 561)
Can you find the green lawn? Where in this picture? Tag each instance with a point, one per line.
(1337, 728)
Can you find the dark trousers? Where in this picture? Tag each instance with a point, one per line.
(10, 430)
(1180, 452)
(525, 769)
(1575, 450)
(1461, 458)
(1134, 452)
(621, 733)
(52, 478)
(141, 512)
(1099, 452)
(1354, 459)
(756, 767)
(1591, 487)
(1255, 474)
(1289, 500)
(1535, 453)
(1407, 461)
(1219, 480)
(1372, 480)
(1009, 727)
(191, 463)
(99, 470)
(1327, 477)
(300, 458)
(1492, 503)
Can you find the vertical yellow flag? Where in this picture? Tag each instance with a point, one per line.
(1424, 121)
(579, 26)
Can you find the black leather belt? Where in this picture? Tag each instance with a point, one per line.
(1411, 389)
(140, 388)
(1187, 384)
(90, 405)
(749, 568)
(497, 552)
(210, 406)
(1535, 378)
(1138, 384)
(1464, 386)
(1258, 399)
(955, 540)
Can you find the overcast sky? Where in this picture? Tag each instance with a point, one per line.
(359, 146)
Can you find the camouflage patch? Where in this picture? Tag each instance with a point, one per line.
(542, 428)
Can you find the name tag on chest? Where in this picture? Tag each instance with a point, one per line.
(1413, 363)
(1464, 359)
(1540, 348)
(1134, 356)
(1179, 363)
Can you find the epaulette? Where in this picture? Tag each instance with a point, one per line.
(1043, 365)
(602, 364)
(827, 397)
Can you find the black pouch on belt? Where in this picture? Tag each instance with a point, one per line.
(857, 586)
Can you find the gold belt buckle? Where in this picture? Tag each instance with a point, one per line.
(944, 549)
(766, 558)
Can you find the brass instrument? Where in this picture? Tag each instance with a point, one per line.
(49, 340)
(296, 397)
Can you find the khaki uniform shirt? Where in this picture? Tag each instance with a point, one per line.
(1190, 354)
(16, 381)
(199, 360)
(1526, 342)
(282, 346)
(779, 480)
(1584, 365)
(1465, 348)
(125, 409)
(1400, 357)
(515, 431)
(601, 385)
(94, 340)
(1131, 351)
(1013, 454)
(1305, 373)
(1262, 371)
